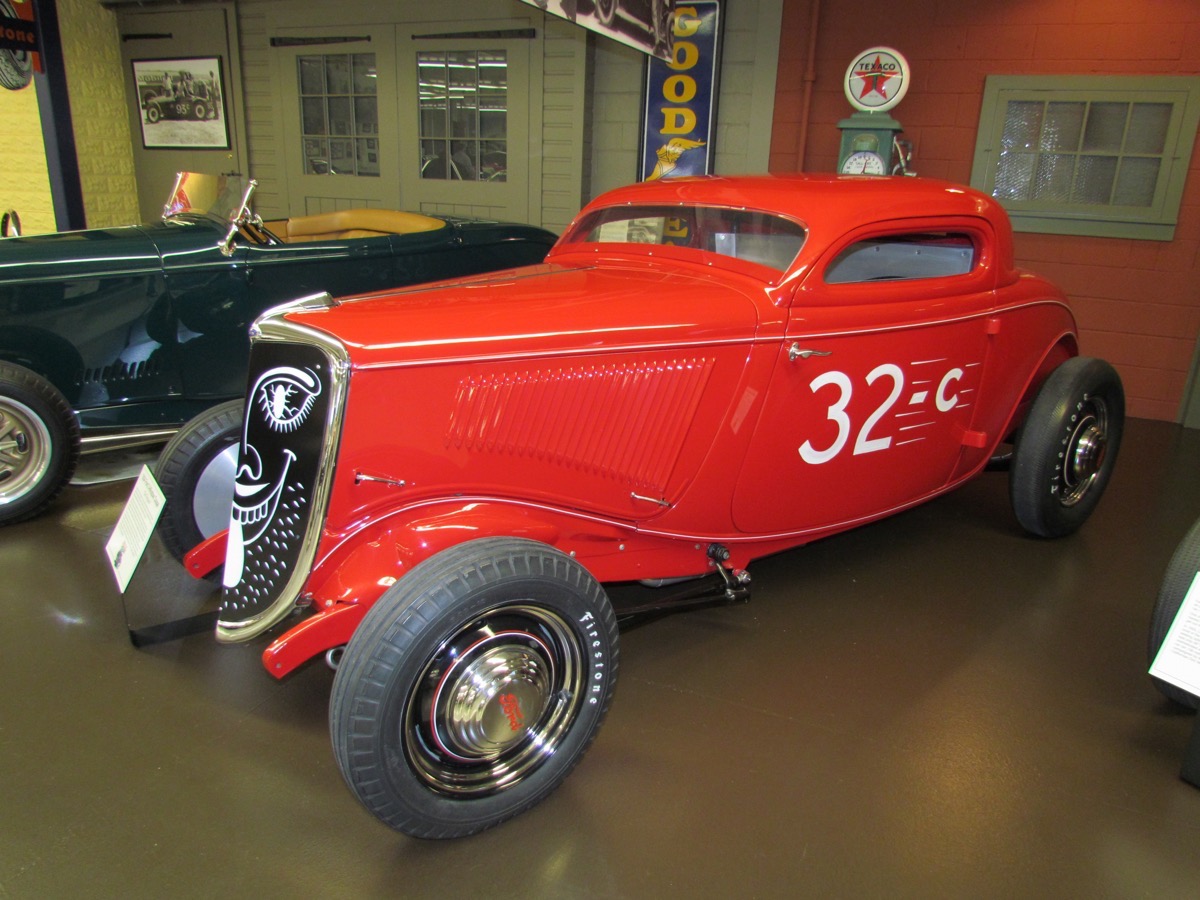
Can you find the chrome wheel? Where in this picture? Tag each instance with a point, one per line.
(473, 686)
(495, 701)
(25, 450)
(1065, 450)
(213, 497)
(1086, 449)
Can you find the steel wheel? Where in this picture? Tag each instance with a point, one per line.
(1086, 448)
(1065, 451)
(473, 686)
(495, 701)
(25, 447)
(39, 443)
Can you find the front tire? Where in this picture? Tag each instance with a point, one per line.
(1181, 572)
(196, 471)
(1064, 454)
(39, 443)
(473, 687)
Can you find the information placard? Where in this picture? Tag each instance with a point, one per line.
(134, 527)
(1178, 659)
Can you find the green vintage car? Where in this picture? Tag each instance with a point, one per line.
(114, 337)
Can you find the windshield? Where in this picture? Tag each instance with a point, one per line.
(763, 238)
(221, 196)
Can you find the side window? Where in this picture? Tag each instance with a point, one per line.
(903, 257)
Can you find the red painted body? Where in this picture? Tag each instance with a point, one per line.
(630, 404)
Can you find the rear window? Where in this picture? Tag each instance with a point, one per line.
(758, 237)
(903, 257)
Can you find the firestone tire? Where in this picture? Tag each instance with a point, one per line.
(153, 113)
(39, 443)
(1065, 452)
(199, 111)
(1181, 572)
(473, 687)
(196, 471)
(16, 67)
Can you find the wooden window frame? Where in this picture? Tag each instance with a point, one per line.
(1154, 222)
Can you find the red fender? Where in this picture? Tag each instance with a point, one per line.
(206, 555)
(355, 575)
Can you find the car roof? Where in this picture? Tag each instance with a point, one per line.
(828, 205)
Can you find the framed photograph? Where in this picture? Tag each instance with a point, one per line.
(181, 103)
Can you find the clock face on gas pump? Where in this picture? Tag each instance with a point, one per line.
(864, 162)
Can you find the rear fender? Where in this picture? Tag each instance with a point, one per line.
(1058, 353)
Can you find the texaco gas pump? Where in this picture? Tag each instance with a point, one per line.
(875, 82)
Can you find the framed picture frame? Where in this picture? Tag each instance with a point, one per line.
(181, 103)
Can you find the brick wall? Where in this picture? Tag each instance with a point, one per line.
(24, 185)
(1138, 302)
(91, 48)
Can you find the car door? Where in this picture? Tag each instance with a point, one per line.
(871, 402)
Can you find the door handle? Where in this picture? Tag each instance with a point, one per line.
(795, 353)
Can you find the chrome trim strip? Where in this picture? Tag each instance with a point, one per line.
(272, 326)
(125, 440)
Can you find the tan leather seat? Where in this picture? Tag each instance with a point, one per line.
(344, 224)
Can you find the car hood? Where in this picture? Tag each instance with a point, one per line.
(98, 251)
(551, 309)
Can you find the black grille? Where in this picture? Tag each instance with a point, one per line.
(287, 410)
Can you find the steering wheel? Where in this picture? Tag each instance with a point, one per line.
(10, 224)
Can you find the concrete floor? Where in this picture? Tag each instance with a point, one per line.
(933, 706)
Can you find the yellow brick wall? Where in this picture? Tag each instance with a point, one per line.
(91, 47)
(24, 183)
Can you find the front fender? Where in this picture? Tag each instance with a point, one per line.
(355, 574)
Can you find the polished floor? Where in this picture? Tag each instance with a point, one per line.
(933, 706)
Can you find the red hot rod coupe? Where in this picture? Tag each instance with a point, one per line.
(434, 483)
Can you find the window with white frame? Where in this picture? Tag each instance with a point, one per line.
(1102, 155)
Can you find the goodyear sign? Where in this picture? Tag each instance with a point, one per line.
(681, 96)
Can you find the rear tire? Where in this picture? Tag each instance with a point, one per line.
(1181, 572)
(196, 471)
(1065, 451)
(39, 443)
(473, 687)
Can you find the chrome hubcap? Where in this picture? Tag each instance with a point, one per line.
(213, 496)
(495, 701)
(1085, 450)
(24, 450)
